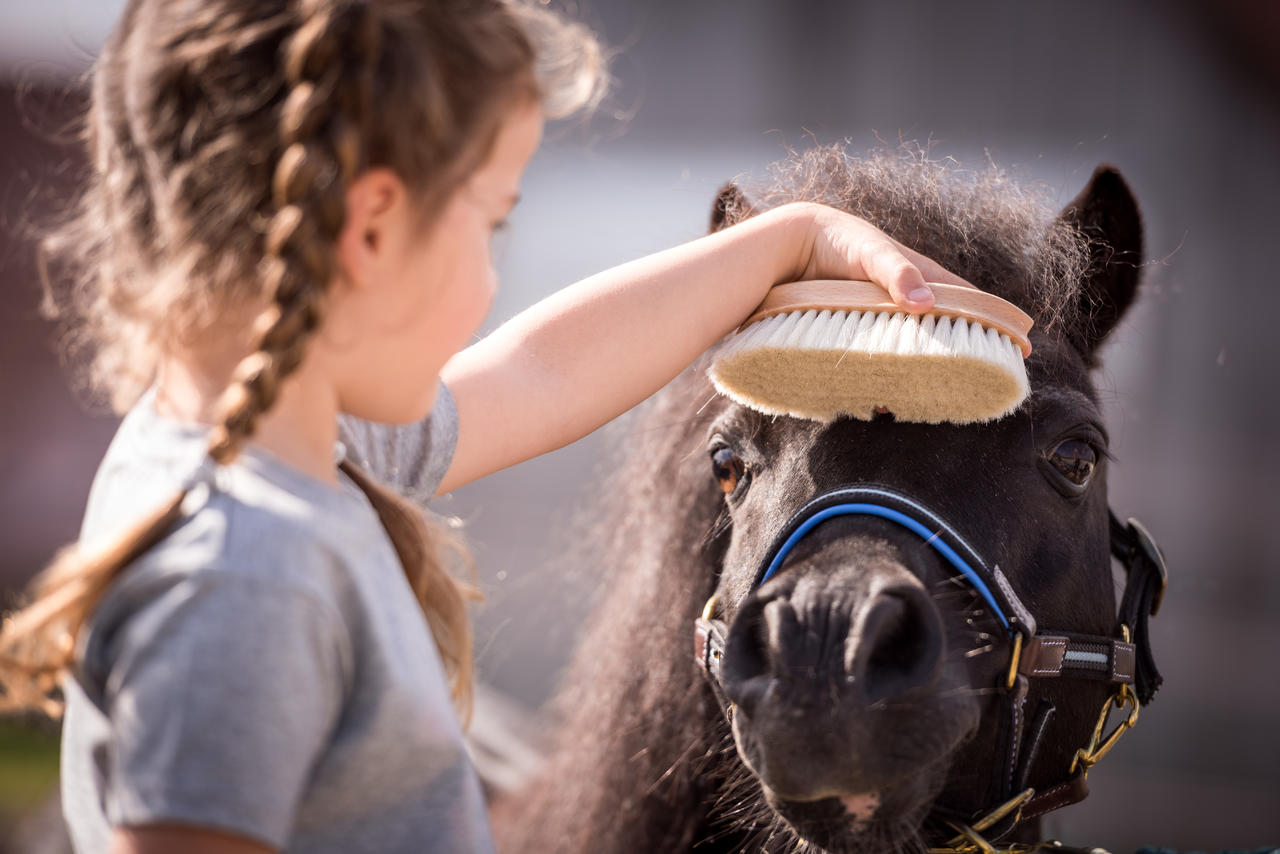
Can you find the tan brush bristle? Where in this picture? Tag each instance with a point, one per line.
(819, 350)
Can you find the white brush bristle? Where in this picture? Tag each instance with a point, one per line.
(823, 364)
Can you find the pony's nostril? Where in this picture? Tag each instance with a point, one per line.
(900, 645)
(745, 668)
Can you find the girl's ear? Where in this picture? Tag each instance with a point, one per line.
(376, 220)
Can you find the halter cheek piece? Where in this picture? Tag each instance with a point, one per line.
(1123, 660)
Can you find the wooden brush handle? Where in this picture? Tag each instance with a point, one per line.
(950, 300)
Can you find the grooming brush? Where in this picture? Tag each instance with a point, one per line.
(822, 349)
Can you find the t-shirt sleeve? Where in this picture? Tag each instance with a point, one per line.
(413, 458)
(222, 692)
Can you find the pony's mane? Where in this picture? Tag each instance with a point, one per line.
(634, 709)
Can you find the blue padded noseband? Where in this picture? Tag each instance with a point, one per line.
(931, 538)
(885, 503)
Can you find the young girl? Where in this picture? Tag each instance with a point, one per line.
(284, 245)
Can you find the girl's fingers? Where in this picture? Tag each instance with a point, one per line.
(887, 264)
(848, 246)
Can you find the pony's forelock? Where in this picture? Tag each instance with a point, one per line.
(1002, 235)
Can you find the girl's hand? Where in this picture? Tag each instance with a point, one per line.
(837, 245)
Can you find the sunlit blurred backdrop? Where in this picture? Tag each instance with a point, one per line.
(1181, 96)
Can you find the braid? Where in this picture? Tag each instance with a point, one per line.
(212, 114)
(322, 152)
(320, 133)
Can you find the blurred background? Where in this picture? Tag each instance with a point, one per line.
(1182, 96)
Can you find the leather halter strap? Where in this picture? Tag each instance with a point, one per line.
(1124, 660)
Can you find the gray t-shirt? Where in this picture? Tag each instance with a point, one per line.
(265, 669)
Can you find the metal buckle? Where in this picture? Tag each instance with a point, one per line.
(1014, 660)
(709, 609)
(1099, 746)
(1146, 544)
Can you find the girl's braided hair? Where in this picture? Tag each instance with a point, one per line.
(223, 137)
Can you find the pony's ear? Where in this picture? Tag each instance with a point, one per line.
(731, 205)
(1106, 213)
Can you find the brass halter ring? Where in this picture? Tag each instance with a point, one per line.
(1099, 746)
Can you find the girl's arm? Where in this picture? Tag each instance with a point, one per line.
(590, 352)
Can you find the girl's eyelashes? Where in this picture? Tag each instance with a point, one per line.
(500, 226)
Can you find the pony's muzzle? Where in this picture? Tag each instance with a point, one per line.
(812, 662)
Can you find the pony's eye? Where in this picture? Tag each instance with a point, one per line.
(728, 468)
(1075, 459)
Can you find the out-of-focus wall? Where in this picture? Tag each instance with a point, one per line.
(48, 446)
(1182, 97)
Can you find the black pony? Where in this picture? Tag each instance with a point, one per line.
(869, 698)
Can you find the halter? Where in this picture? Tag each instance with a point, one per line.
(1123, 660)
